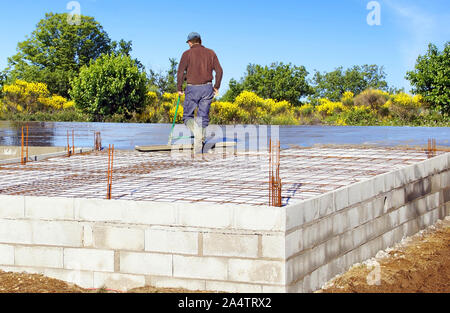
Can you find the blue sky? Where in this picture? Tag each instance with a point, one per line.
(321, 35)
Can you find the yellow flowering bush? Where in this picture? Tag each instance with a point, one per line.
(306, 109)
(22, 96)
(347, 98)
(327, 107)
(405, 107)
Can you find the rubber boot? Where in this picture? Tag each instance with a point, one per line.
(198, 135)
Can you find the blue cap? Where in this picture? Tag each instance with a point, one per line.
(193, 35)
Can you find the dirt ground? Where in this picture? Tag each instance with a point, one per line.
(419, 264)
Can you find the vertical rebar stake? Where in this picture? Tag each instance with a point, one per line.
(26, 158)
(68, 146)
(275, 198)
(73, 142)
(21, 150)
(110, 170)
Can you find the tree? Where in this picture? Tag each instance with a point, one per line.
(278, 81)
(334, 84)
(431, 77)
(164, 82)
(56, 50)
(112, 84)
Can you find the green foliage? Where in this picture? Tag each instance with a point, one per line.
(113, 84)
(278, 81)
(334, 84)
(431, 77)
(164, 82)
(56, 50)
(359, 115)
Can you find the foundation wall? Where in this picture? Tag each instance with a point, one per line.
(127, 244)
(235, 248)
(327, 235)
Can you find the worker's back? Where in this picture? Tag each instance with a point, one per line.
(199, 63)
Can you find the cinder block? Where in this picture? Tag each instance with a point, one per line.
(49, 208)
(332, 248)
(389, 181)
(353, 216)
(317, 257)
(400, 178)
(200, 267)
(355, 193)
(62, 233)
(340, 199)
(397, 198)
(84, 279)
(310, 236)
(15, 231)
(39, 256)
(269, 218)
(287, 247)
(419, 171)
(122, 211)
(206, 215)
(88, 236)
(216, 244)
(118, 281)
(232, 287)
(378, 205)
(341, 221)
(417, 189)
(445, 179)
(367, 188)
(171, 282)
(118, 238)
(312, 210)
(171, 241)
(6, 255)
(256, 271)
(89, 259)
(41, 232)
(433, 201)
(295, 215)
(12, 206)
(419, 206)
(365, 212)
(326, 204)
(405, 213)
(379, 184)
(346, 241)
(295, 267)
(146, 263)
(445, 195)
(435, 183)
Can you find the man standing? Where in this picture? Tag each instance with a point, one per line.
(196, 67)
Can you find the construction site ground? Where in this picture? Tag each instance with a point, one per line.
(419, 264)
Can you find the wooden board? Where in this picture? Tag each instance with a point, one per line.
(182, 147)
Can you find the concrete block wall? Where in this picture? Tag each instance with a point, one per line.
(127, 244)
(236, 248)
(325, 236)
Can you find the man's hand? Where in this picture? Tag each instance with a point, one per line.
(180, 93)
(216, 92)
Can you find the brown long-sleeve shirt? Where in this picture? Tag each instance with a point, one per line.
(199, 62)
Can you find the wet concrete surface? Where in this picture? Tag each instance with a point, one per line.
(127, 136)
